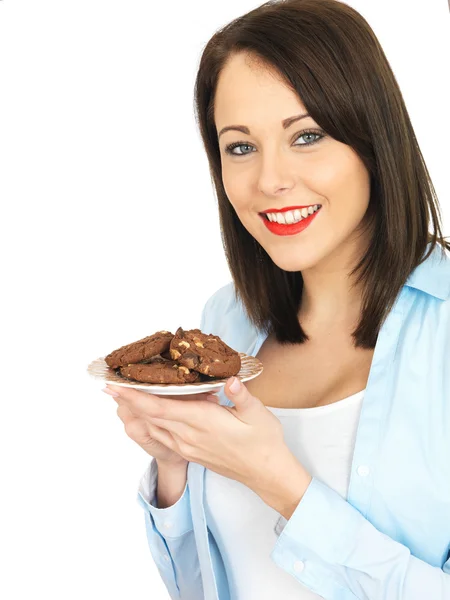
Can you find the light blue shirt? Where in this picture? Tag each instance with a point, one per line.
(390, 540)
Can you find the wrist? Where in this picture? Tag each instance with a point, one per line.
(172, 465)
(286, 486)
(172, 481)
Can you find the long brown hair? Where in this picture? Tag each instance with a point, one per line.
(328, 54)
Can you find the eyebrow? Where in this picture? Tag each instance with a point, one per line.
(286, 123)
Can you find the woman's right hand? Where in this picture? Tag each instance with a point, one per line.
(139, 430)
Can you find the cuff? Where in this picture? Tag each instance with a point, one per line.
(324, 522)
(311, 543)
(173, 521)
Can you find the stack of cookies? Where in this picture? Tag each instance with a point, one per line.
(186, 357)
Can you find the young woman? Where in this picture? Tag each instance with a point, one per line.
(328, 476)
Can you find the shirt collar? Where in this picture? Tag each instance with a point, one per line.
(433, 275)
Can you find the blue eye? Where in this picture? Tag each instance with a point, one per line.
(318, 135)
(230, 148)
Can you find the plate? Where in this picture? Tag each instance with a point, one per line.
(251, 367)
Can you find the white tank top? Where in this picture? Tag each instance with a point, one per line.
(323, 440)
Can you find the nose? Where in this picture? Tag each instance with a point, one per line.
(275, 175)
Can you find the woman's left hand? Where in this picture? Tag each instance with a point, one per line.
(244, 442)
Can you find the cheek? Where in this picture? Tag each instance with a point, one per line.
(334, 173)
(237, 188)
(346, 183)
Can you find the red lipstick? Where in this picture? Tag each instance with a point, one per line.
(284, 229)
(285, 209)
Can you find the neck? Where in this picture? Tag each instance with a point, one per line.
(330, 296)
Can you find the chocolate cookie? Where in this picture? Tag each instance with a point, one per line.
(140, 351)
(205, 353)
(159, 370)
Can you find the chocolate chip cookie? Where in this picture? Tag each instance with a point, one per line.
(205, 353)
(159, 370)
(141, 351)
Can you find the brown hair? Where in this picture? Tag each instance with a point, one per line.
(329, 55)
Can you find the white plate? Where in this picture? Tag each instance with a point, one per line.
(251, 367)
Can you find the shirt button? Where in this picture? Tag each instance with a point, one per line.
(299, 565)
(167, 524)
(363, 470)
(166, 557)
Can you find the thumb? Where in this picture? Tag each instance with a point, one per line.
(236, 391)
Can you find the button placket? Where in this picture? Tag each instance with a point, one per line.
(299, 566)
(363, 470)
(366, 451)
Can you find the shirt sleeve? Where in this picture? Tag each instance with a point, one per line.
(173, 521)
(171, 539)
(332, 549)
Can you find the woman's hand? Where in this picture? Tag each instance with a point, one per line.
(141, 430)
(244, 442)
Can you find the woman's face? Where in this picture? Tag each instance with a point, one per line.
(274, 167)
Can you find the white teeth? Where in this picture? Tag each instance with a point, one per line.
(289, 216)
(292, 216)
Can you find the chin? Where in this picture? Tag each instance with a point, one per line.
(291, 262)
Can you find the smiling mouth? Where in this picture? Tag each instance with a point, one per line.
(290, 216)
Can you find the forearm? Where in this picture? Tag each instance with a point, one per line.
(283, 486)
(171, 483)
(345, 551)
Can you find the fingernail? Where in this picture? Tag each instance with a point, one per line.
(110, 392)
(235, 385)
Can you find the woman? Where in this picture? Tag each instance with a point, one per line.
(328, 475)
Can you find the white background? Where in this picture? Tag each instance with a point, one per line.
(109, 232)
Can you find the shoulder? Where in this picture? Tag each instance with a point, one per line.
(426, 297)
(432, 276)
(425, 321)
(223, 299)
(422, 338)
(224, 315)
